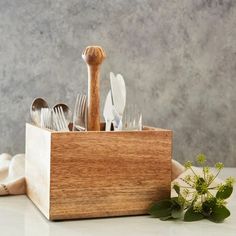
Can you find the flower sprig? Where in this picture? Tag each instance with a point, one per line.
(200, 198)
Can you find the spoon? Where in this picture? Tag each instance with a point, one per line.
(35, 110)
(66, 110)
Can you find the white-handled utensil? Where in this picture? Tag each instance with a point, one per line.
(107, 112)
(118, 92)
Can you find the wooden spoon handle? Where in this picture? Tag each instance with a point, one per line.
(93, 56)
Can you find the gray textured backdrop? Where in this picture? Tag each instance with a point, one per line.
(178, 59)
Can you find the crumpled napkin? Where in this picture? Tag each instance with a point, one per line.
(12, 174)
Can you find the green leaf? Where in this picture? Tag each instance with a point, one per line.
(175, 201)
(177, 209)
(219, 214)
(176, 188)
(191, 215)
(161, 209)
(224, 192)
(176, 213)
(166, 218)
(208, 206)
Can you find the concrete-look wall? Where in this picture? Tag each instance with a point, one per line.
(178, 59)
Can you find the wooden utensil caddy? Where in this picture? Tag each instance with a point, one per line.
(94, 173)
(97, 174)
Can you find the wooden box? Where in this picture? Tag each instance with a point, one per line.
(97, 174)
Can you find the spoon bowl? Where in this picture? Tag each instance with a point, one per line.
(66, 110)
(35, 110)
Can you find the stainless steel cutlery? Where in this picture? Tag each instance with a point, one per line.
(46, 118)
(35, 110)
(59, 120)
(56, 118)
(80, 113)
(115, 111)
(132, 118)
(66, 112)
(108, 112)
(118, 92)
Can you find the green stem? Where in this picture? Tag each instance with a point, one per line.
(212, 188)
(210, 193)
(193, 171)
(204, 174)
(214, 178)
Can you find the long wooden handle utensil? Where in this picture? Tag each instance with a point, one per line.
(93, 56)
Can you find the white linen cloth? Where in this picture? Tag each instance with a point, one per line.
(12, 174)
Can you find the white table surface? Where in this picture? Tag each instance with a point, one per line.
(19, 217)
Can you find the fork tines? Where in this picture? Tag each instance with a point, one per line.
(79, 116)
(59, 120)
(46, 118)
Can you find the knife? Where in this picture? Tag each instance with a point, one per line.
(107, 112)
(118, 92)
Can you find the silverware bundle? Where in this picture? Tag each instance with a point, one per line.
(115, 111)
(57, 118)
(80, 112)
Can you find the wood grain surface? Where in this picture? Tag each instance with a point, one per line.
(100, 174)
(37, 167)
(93, 56)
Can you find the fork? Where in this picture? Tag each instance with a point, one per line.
(132, 119)
(59, 120)
(79, 115)
(46, 118)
